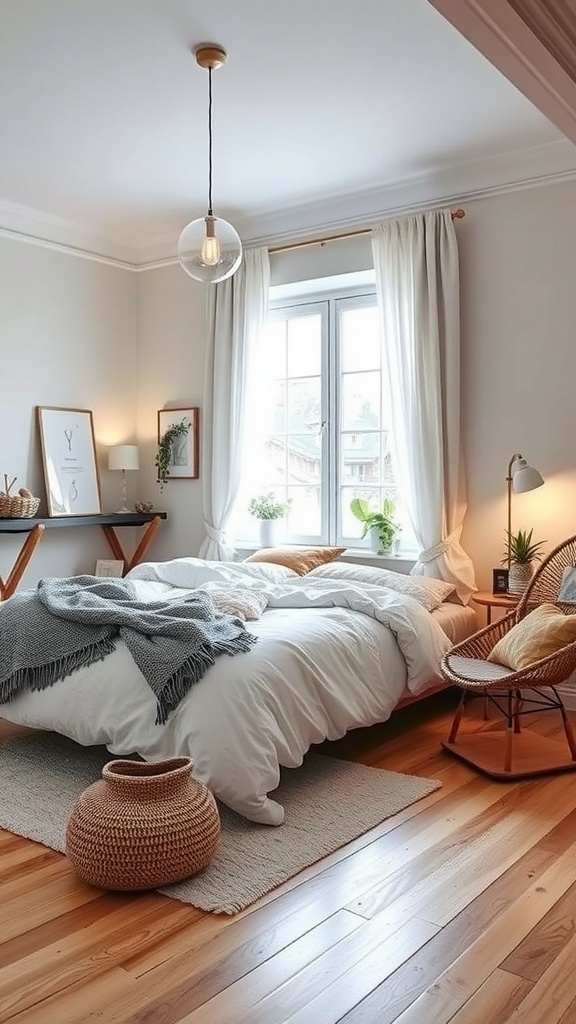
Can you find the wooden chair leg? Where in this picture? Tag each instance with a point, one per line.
(457, 718)
(568, 732)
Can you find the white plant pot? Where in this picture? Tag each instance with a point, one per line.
(375, 543)
(267, 533)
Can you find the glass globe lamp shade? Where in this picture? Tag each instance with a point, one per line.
(209, 249)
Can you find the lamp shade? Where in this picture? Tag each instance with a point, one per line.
(525, 477)
(123, 456)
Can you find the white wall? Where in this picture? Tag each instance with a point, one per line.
(519, 364)
(68, 330)
(67, 338)
(518, 276)
(170, 368)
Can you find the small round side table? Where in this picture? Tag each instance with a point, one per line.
(490, 601)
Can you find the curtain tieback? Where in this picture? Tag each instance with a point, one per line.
(431, 554)
(216, 535)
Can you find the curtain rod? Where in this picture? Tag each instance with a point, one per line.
(456, 215)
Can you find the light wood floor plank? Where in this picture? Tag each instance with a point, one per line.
(457, 984)
(554, 992)
(461, 908)
(494, 1000)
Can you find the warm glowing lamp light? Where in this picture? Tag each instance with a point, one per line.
(209, 248)
(123, 457)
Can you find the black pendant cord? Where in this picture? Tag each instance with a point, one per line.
(210, 214)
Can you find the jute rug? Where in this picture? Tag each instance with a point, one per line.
(328, 803)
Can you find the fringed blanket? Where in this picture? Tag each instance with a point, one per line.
(65, 624)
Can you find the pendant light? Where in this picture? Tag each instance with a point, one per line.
(209, 248)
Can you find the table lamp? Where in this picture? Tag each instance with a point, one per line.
(521, 478)
(123, 456)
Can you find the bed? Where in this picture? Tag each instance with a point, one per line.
(337, 648)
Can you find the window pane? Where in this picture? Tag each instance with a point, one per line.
(360, 339)
(304, 345)
(304, 459)
(360, 458)
(360, 405)
(304, 405)
(305, 518)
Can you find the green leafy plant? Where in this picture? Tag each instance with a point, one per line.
(383, 522)
(523, 550)
(164, 454)
(268, 506)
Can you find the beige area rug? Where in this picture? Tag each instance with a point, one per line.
(328, 803)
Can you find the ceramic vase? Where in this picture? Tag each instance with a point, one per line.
(142, 825)
(267, 533)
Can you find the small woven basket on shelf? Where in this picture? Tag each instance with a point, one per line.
(143, 824)
(17, 507)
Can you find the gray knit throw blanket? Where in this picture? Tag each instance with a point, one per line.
(66, 624)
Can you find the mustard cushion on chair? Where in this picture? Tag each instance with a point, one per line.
(541, 633)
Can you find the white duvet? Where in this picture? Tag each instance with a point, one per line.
(331, 656)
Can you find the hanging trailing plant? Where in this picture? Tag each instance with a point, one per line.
(164, 455)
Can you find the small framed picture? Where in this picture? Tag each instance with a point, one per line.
(109, 567)
(500, 581)
(180, 428)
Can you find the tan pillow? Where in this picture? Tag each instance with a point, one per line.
(301, 560)
(542, 632)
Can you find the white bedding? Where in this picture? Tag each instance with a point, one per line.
(331, 656)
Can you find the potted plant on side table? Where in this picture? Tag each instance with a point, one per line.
(382, 526)
(268, 509)
(523, 552)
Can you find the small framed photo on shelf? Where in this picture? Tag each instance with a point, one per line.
(69, 461)
(180, 430)
(500, 581)
(109, 567)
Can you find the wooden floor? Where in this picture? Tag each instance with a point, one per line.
(461, 908)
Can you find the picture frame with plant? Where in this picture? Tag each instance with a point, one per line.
(164, 454)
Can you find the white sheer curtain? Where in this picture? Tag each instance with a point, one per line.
(236, 311)
(417, 284)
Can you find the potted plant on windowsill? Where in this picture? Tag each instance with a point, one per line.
(382, 526)
(523, 552)
(268, 509)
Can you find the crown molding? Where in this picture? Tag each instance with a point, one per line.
(520, 47)
(439, 186)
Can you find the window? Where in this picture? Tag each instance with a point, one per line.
(324, 431)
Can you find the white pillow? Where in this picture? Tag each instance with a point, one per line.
(427, 591)
(245, 604)
(268, 571)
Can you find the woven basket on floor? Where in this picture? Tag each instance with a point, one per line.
(143, 825)
(16, 507)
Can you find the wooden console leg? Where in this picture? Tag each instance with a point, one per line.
(26, 551)
(145, 542)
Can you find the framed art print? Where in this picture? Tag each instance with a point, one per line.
(109, 567)
(69, 461)
(184, 443)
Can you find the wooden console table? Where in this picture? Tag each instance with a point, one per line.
(34, 528)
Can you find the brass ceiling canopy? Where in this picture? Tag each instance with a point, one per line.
(210, 56)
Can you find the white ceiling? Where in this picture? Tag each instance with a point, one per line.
(326, 111)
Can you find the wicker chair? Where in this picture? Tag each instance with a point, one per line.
(512, 753)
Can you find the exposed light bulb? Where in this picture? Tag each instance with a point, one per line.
(211, 252)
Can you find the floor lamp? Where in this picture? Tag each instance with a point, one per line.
(521, 477)
(124, 457)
